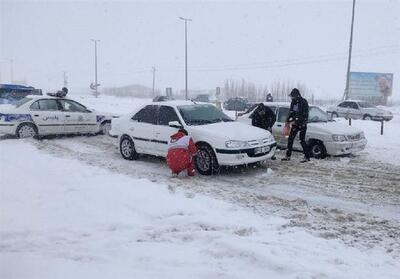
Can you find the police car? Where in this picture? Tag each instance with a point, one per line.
(37, 115)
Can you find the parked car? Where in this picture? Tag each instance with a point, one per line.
(37, 115)
(237, 104)
(220, 140)
(204, 98)
(359, 110)
(324, 136)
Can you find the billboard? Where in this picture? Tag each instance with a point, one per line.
(372, 86)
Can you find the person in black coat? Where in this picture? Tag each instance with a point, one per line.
(270, 98)
(264, 118)
(298, 117)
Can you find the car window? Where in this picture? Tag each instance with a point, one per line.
(22, 102)
(45, 105)
(353, 105)
(166, 114)
(283, 114)
(343, 105)
(366, 105)
(148, 114)
(72, 106)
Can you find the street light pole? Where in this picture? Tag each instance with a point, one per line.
(154, 79)
(186, 72)
(96, 84)
(11, 70)
(346, 91)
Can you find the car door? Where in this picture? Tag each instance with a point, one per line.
(48, 116)
(343, 109)
(78, 119)
(143, 128)
(166, 114)
(277, 129)
(354, 110)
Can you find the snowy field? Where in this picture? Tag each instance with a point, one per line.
(71, 207)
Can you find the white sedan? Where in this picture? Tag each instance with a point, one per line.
(324, 136)
(45, 115)
(219, 140)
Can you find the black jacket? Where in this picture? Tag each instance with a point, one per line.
(265, 121)
(298, 112)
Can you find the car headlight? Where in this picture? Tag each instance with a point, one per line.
(339, 138)
(236, 144)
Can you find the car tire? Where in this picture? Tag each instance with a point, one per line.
(367, 117)
(127, 148)
(206, 161)
(317, 149)
(105, 127)
(26, 130)
(334, 115)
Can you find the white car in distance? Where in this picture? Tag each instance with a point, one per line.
(220, 141)
(324, 136)
(37, 115)
(359, 110)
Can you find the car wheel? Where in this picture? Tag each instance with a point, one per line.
(26, 130)
(105, 127)
(127, 148)
(317, 149)
(367, 117)
(335, 115)
(206, 161)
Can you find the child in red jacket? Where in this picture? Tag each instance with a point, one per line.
(181, 150)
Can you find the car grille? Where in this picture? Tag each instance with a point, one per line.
(355, 137)
(258, 142)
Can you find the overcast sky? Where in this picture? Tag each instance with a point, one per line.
(261, 41)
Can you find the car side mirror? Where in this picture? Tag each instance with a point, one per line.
(174, 124)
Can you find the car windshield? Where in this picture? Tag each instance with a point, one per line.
(366, 105)
(317, 115)
(22, 101)
(202, 114)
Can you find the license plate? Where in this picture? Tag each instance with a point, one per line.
(262, 149)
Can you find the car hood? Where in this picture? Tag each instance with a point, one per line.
(7, 108)
(229, 131)
(333, 128)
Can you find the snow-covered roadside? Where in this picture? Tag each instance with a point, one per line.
(60, 218)
(384, 148)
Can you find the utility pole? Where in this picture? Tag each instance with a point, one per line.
(65, 79)
(346, 91)
(154, 80)
(96, 84)
(186, 72)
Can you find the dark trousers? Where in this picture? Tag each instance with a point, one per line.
(292, 136)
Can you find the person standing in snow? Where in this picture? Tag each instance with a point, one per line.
(264, 118)
(181, 152)
(297, 118)
(270, 98)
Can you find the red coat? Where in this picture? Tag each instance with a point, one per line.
(181, 149)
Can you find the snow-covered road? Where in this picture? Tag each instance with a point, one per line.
(352, 198)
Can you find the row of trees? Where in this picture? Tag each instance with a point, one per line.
(279, 90)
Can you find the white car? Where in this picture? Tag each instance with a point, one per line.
(359, 110)
(37, 115)
(220, 140)
(324, 136)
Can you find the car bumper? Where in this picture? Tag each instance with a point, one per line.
(234, 157)
(380, 118)
(345, 147)
(7, 128)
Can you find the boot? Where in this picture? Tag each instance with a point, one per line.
(305, 159)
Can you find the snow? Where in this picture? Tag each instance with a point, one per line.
(61, 218)
(383, 148)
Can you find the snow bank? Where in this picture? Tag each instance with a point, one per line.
(62, 219)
